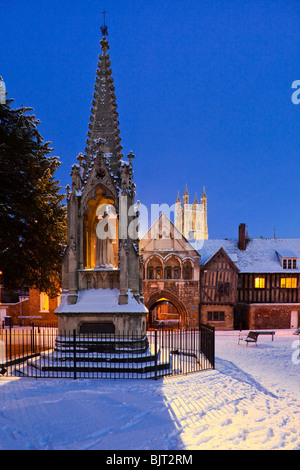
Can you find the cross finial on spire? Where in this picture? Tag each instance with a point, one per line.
(130, 157)
(104, 27)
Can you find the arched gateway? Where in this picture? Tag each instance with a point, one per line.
(167, 310)
(171, 276)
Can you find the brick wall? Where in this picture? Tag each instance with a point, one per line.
(31, 308)
(271, 316)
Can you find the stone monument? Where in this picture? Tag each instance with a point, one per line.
(102, 277)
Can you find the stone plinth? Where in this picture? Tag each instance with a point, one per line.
(101, 308)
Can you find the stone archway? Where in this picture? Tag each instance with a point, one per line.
(176, 310)
(100, 247)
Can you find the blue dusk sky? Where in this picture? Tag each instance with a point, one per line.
(203, 91)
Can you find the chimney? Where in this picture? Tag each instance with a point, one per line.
(242, 237)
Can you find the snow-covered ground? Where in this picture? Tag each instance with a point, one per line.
(250, 401)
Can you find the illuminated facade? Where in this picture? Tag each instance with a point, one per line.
(191, 219)
(101, 286)
(171, 275)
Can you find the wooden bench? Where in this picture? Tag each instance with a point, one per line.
(250, 338)
(266, 333)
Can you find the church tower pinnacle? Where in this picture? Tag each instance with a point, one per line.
(191, 219)
(185, 195)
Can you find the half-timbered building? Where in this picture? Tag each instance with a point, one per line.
(229, 283)
(266, 281)
(218, 290)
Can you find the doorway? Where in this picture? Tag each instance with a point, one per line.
(294, 319)
(164, 313)
(2, 315)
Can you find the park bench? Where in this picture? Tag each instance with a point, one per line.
(250, 338)
(266, 333)
(253, 335)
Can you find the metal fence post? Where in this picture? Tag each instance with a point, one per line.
(155, 352)
(33, 339)
(10, 354)
(213, 348)
(74, 352)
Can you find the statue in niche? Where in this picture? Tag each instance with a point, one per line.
(105, 235)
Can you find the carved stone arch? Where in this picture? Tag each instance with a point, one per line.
(155, 255)
(172, 266)
(172, 255)
(91, 194)
(93, 246)
(153, 268)
(165, 294)
(190, 259)
(188, 267)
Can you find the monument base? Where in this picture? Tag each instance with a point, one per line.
(98, 311)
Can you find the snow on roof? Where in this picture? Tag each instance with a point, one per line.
(287, 254)
(260, 254)
(101, 301)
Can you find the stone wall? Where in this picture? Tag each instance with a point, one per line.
(183, 294)
(220, 324)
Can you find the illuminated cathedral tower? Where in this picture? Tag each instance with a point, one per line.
(191, 219)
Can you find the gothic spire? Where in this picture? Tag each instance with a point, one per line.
(186, 190)
(104, 124)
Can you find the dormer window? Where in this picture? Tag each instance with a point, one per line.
(288, 259)
(289, 263)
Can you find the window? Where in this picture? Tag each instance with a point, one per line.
(172, 273)
(158, 271)
(187, 270)
(44, 302)
(284, 264)
(289, 263)
(294, 264)
(223, 288)
(259, 283)
(215, 316)
(154, 272)
(150, 273)
(288, 283)
(168, 272)
(172, 268)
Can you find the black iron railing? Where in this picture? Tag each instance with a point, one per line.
(39, 351)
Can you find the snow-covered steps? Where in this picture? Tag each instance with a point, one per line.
(99, 358)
